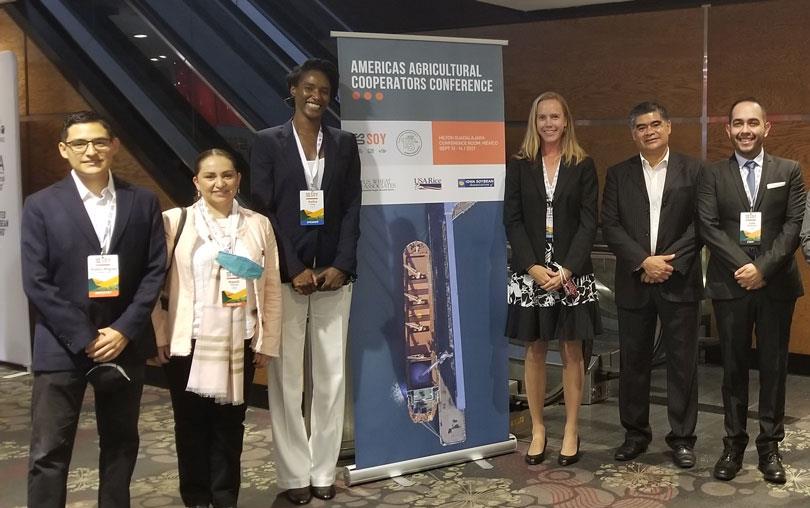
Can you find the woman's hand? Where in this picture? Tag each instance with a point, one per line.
(541, 274)
(260, 360)
(162, 357)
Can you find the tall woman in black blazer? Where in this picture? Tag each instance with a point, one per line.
(550, 219)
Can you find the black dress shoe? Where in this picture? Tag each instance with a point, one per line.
(771, 467)
(567, 460)
(300, 495)
(728, 465)
(629, 450)
(533, 460)
(324, 492)
(683, 456)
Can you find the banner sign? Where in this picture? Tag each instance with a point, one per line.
(428, 117)
(15, 335)
(428, 357)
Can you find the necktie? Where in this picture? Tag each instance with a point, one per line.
(751, 180)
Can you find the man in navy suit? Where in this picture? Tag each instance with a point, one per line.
(648, 220)
(750, 208)
(93, 262)
(305, 176)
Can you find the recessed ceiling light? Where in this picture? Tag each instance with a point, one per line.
(140, 36)
(155, 59)
(162, 56)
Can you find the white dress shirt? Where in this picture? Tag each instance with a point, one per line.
(759, 159)
(100, 208)
(654, 179)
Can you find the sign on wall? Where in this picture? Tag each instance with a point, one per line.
(15, 344)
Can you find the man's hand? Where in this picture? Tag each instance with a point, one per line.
(657, 268)
(749, 277)
(541, 274)
(646, 279)
(162, 357)
(260, 360)
(107, 346)
(305, 282)
(330, 279)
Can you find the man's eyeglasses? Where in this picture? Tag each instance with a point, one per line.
(80, 145)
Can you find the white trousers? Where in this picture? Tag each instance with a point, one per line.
(302, 461)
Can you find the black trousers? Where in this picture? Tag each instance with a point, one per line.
(679, 323)
(736, 319)
(55, 405)
(208, 437)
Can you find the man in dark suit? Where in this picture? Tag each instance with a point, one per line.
(93, 261)
(750, 208)
(648, 220)
(305, 176)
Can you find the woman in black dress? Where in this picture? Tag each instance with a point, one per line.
(550, 217)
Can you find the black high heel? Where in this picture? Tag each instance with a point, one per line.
(567, 460)
(533, 460)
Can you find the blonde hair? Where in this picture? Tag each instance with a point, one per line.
(530, 147)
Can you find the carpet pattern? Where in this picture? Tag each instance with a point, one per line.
(596, 481)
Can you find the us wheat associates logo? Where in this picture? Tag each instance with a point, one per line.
(409, 143)
(378, 185)
(427, 183)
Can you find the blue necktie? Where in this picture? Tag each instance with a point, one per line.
(751, 180)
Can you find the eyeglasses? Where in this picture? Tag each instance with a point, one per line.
(80, 145)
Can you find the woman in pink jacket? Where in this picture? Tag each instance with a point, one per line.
(224, 320)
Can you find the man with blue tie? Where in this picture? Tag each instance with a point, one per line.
(750, 210)
(93, 262)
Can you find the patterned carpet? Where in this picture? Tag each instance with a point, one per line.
(596, 481)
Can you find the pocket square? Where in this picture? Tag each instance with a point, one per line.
(775, 185)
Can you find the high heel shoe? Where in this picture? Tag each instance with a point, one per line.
(567, 460)
(533, 460)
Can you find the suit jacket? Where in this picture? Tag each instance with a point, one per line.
(277, 177)
(524, 214)
(257, 235)
(626, 229)
(721, 198)
(57, 237)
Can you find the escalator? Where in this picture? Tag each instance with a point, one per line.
(175, 78)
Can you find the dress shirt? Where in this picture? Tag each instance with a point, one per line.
(759, 159)
(313, 170)
(100, 208)
(654, 179)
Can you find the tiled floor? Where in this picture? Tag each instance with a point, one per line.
(596, 481)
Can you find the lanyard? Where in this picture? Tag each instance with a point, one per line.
(225, 240)
(550, 186)
(107, 236)
(313, 168)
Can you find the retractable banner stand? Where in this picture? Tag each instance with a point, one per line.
(15, 337)
(428, 356)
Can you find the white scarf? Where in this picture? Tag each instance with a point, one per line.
(217, 365)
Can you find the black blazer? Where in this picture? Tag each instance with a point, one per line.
(57, 237)
(524, 214)
(626, 229)
(721, 198)
(277, 177)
